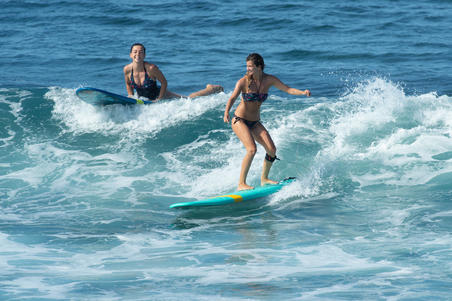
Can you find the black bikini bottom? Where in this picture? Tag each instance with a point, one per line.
(249, 124)
(151, 92)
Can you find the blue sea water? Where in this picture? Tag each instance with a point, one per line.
(85, 191)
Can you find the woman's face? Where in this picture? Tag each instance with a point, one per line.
(137, 54)
(251, 69)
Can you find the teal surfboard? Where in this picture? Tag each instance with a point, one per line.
(235, 197)
(96, 96)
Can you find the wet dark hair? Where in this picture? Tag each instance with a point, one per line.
(257, 60)
(138, 44)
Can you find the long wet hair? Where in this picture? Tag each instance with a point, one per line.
(257, 60)
(138, 44)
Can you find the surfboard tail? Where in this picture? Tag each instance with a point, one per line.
(96, 96)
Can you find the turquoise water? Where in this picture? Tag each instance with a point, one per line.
(85, 191)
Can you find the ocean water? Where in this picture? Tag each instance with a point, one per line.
(85, 191)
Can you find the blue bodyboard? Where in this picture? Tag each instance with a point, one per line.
(238, 196)
(96, 96)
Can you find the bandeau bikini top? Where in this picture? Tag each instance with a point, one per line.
(260, 97)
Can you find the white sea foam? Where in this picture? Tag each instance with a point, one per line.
(129, 121)
(377, 122)
(14, 256)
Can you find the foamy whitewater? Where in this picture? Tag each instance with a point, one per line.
(85, 191)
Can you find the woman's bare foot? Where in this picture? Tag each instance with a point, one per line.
(244, 187)
(267, 181)
(214, 88)
(209, 89)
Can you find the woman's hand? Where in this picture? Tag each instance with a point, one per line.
(226, 117)
(307, 92)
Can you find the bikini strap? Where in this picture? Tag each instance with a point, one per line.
(146, 76)
(260, 84)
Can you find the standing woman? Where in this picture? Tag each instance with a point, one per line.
(246, 121)
(143, 76)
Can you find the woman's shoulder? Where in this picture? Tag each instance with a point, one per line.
(150, 66)
(127, 68)
(242, 81)
(269, 77)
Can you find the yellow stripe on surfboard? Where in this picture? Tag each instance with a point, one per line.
(235, 197)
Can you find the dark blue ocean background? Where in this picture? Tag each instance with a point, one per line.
(85, 191)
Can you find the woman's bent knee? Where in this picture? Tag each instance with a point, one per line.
(272, 151)
(251, 151)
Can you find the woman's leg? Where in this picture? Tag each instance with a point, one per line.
(169, 94)
(244, 134)
(209, 89)
(262, 136)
